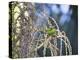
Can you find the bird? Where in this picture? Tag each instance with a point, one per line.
(51, 31)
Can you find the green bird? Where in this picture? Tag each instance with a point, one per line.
(51, 31)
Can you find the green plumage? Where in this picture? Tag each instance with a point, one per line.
(51, 31)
